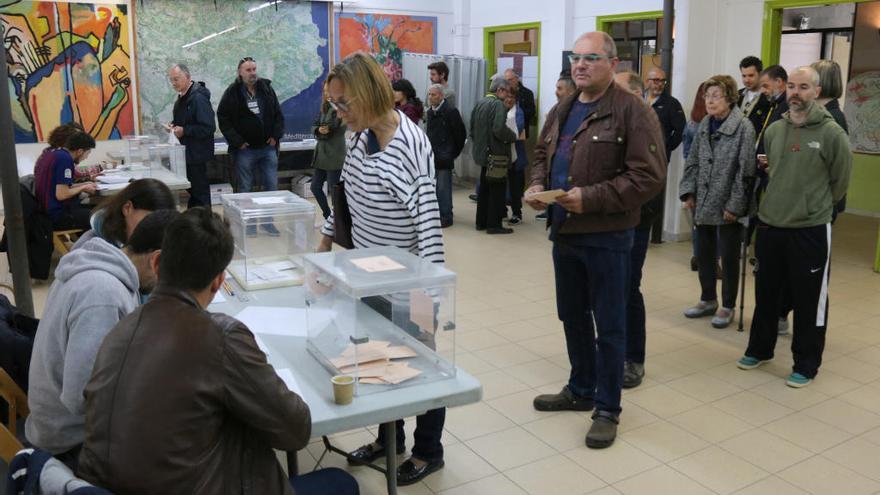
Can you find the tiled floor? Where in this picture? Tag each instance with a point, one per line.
(698, 425)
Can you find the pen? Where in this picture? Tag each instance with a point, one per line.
(228, 288)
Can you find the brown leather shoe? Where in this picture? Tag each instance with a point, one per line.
(563, 401)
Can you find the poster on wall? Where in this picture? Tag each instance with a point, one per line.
(68, 62)
(288, 41)
(386, 36)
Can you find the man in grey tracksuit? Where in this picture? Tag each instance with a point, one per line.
(95, 286)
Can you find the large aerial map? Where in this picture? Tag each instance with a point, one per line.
(288, 41)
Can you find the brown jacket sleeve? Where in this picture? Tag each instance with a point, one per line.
(644, 170)
(256, 395)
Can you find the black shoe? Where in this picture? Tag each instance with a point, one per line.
(480, 227)
(515, 220)
(633, 374)
(445, 223)
(603, 430)
(694, 266)
(541, 216)
(366, 454)
(499, 230)
(472, 197)
(563, 401)
(408, 473)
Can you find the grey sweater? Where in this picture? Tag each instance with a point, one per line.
(717, 167)
(95, 286)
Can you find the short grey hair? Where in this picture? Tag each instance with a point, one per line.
(633, 81)
(608, 43)
(513, 71)
(830, 78)
(438, 87)
(498, 82)
(183, 68)
(813, 73)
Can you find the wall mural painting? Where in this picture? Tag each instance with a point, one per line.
(68, 62)
(387, 37)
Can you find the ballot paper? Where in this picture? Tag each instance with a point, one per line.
(111, 187)
(374, 264)
(114, 179)
(547, 197)
(373, 363)
(287, 377)
(265, 273)
(218, 298)
(290, 322)
(272, 200)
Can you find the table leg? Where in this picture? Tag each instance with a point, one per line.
(391, 456)
(292, 464)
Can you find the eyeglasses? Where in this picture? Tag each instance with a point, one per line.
(713, 96)
(590, 58)
(657, 80)
(340, 106)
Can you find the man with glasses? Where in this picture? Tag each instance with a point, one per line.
(250, 119)
(668, 109)
(604, 148)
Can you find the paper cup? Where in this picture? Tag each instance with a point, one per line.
(343, 389)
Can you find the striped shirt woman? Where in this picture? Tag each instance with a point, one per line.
(391, 193)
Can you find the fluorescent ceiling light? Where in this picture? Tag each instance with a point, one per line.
(206, 38)
(263, 6)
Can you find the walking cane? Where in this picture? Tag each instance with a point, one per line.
(745, 252)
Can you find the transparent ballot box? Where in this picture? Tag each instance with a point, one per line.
(170, 157)
(137, 151)
(272, 231)
(382, 315)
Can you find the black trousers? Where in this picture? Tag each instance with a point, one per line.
(200, 189)
(75, 217)
(729, 237)
(516, 186)
(490, 202)
(796, 261)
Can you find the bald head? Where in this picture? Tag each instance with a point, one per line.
(802, 89)
(656, 81)
(593, 60)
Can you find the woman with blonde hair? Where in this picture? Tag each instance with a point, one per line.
(388, 179)
(713, 187)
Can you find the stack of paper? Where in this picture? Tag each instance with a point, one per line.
(373, 363)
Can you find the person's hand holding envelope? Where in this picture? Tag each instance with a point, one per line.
(539, 199)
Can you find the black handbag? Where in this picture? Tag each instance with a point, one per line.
(341, 217)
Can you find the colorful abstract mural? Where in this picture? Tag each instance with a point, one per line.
(68, 62)
(386, 36)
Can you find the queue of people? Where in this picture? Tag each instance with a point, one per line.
(106, 374)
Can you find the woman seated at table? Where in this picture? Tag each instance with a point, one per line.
(389, 186)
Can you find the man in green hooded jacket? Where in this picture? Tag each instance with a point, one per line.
(809, 163)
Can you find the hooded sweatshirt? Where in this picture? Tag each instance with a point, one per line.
(95, 286)
(809, 169)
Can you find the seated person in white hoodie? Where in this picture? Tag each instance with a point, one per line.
(95, 286)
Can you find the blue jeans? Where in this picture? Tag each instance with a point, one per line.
(635, 305)
(593, 279)
(331, 177)
(264, 160)
(444, 194)
(330, 481)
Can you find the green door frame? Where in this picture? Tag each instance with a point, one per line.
(771, 34)
(603, 22)
(489, 48)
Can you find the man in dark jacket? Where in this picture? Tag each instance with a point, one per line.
(668, 108)
(250, 119)
(525, 98)
(445, 129)
(604, 148)
(182, 400)
(194, 127)
(750, 100)
(490, 137)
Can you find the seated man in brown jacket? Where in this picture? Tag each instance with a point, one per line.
(182, 400)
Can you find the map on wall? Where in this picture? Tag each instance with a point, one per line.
(287, 40)
(68, 62)
(386, 36)
(863, 112)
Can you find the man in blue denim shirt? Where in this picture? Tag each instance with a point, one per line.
(604, 147)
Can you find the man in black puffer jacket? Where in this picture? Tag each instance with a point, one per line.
(445, 129)
(194, 127)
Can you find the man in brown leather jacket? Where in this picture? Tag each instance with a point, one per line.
(182, 400)
(604, 147)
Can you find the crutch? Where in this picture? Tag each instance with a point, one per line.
(745, 251)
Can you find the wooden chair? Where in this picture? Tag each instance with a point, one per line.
(63, 240)
(18, 408)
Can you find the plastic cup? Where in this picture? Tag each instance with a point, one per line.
(343, 389)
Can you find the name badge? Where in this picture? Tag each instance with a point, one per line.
(254, 107)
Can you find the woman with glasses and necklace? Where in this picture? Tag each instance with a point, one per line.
(388, 178)
(721, 157)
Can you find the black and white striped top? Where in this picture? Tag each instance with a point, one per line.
(392, 194)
